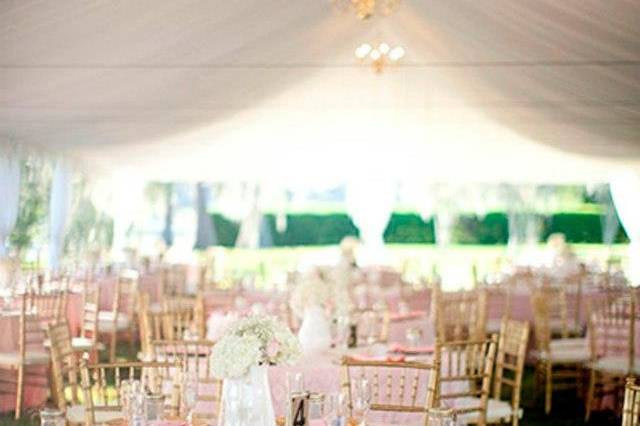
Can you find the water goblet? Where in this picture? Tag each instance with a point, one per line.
(189, 395)
(361, 400)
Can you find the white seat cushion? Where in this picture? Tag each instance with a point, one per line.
(31, 358)
(497, 410)
(77, 413)
(493, 325)
(565, 354)
(85, 344)
(616, 365)
(578, 342)
(105, 321)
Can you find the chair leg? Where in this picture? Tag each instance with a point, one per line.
(20, 391)
(112, 347)
(548, 388)
(590, 394)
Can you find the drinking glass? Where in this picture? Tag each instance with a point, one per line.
(295, 383)
(413, 335)
(361, 400)
(334, 409)
(131, 398)
(189, 395)
(154, 407)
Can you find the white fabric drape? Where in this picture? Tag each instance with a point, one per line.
(249, 234)
(59, 209)
(9, 193)
(529, 91)
(126, 202)
(370, 204)
(206, 232)
(625, 192)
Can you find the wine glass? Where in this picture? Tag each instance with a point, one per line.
(189, 395)
(413, 335)
(361, 400)
(334, 408)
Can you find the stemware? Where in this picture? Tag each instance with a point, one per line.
(361, 400)
(189, 395)
(334, 409)
(413, 335)
(295, 383)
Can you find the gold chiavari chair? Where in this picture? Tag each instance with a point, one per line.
(631, 408)
(171, 323)
(397, 388)
(512, 352)
(373, 325)
(559, 362)
(31, 353)
(120, 319)
(174, 280)
(65, 373)
(612, 341)
(101, 386)
(194, 358)
(88, 339)
(466, 370)
(499, 298)
(460, 315)
(49, 307)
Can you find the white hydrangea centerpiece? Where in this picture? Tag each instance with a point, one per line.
(253, 340)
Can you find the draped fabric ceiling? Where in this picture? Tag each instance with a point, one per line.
(490, 90)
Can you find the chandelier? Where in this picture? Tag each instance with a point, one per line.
(380, 56)
(365, 9)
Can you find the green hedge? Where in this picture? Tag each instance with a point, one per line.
(407, 228)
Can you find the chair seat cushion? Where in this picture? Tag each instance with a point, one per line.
(577, 342)
(616, 365)
(106, 323)
(77, 413)
(85, 344)
(497, 411)
(564, 354)
(493, 325)
(31, 358)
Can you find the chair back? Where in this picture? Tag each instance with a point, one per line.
(90, 309)
(174, 280)
(466, 370)
(102, 385)
(631, 408)
(460, 315)
(31, 333)
(126, 295)
(396, 387)
(49, 307)
(65, 365)
(194, 358)
(612, 330)
(512, 353)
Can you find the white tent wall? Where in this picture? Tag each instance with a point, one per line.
(625, 191)
(9, 191)
(59, 210)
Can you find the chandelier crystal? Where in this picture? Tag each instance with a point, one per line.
(366, 9)
(380, 56)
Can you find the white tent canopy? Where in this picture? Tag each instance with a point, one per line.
(493, 90)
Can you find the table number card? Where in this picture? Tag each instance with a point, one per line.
(299, 415)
